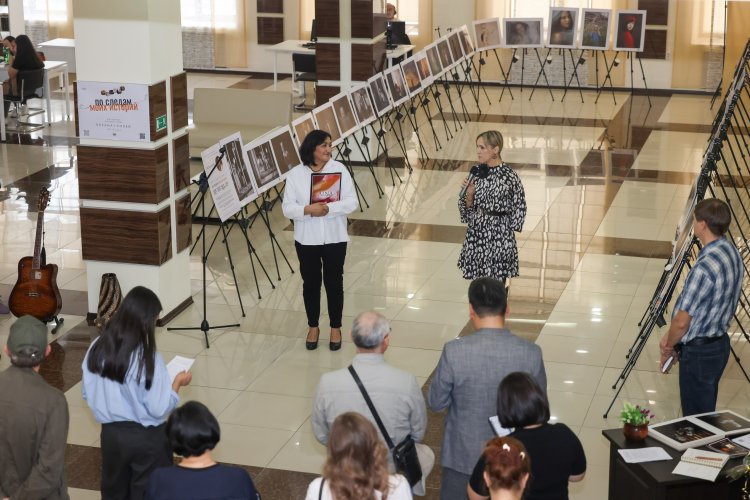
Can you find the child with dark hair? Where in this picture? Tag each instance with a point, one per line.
(193, 432)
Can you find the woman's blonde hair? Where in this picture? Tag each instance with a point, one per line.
(357, 464)
(492, 138)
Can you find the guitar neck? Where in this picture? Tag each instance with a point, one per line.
(36, 263)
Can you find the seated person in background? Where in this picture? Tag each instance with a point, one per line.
(9, 42)
(507, 468)
(556, 454)
(390, 12)
(25, 59)
(193, 432)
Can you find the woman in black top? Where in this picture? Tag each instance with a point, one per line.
(24, 59)
(556, 454)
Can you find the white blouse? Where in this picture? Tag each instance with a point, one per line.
(331, 228)
(399, 489)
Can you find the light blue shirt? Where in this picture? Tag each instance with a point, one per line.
(111, 401)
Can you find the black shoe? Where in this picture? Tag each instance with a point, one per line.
(335, 346)
(312, 345)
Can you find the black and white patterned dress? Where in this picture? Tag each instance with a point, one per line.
(499, 211)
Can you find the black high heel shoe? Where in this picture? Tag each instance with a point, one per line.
(335, 346)
(312, 345)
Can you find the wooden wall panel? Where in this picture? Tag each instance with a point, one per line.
(271, 6)
(270, 30)
(184, 223)
(327, 18)
(117, 174)
(181, 162)
(322, 94)
(654, 45)
(367, 60)
(178, 87)
(125, 236)
(328, 61)
(157, 106)
(657, 11)
(361, 18)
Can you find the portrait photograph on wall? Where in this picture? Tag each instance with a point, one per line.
(562, 27)
(262, 164)
(595, 29)
(362, 105)
(411, 75)
(342, 108)
(466, 43)
(487, 34)
(284, 149)
(434, 58)
(396, 85)
(423, 67)
(631, 27)
(303, 126)
(379, 93)
(326, 120)
(525, 32)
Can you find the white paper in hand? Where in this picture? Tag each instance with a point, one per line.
(177, 365)
(499, 429)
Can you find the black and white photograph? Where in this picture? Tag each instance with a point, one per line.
(326, 120)
(523, 32)
(342, 108)
(379, 93)
(487, 34)
(237, 166)
(360, 98)
(466, 42)
(562, 27)
(397, 85)
(423, 68)
(303, 126)
(284, 149)
(631, 29)
(262, 164)
(454, 42)
(727, 421)
(445, 53)
(595, 29)
(411, 75)
(434, 58)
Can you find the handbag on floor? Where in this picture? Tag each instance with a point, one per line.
(110, 297)
(404, 453)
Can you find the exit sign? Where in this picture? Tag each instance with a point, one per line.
(161, 123)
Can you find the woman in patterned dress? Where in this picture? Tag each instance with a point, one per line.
(494, 207)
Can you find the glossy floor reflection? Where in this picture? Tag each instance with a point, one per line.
(605, 184)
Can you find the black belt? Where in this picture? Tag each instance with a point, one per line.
(703, 340)
(492, 213)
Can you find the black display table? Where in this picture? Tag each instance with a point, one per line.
(655, 481)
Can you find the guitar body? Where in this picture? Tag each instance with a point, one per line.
(35, 292)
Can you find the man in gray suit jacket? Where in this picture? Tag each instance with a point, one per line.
(466, 381)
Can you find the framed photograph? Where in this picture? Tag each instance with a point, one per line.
(362, 104)
(342, 108)
(445, 53)
(396, 85)
(436, 68)
(454, 42)
(326, 120)
(303, 126)
(631, 29)
(262, 164)
(727, 421)
(523, 32)
(325, 188)
(379, 92)
(411, 76)
(466, 42)
(487, 34)
(238, 169)
(682, 433)
(563, 23)
(284, 149)
(595, 29)
(220, 182)
(423, 68)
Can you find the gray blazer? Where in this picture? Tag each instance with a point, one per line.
(465, 382)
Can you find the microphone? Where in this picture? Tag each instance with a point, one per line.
(476, 172)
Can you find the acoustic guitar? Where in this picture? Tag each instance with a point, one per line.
(36, 293)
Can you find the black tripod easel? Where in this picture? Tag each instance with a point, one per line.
(576, 63)
(608, 76)
(202, 184)
(542, 73)
(631, 56)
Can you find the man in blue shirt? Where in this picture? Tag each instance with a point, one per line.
(704, 309)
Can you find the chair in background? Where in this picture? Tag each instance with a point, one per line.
(304, 70)
(29, 85)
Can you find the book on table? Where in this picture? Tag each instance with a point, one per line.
(698, 430)
(701, 464)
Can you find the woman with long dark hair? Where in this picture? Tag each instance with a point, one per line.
(128, 388)
(357, 465)
(319, 194)
(24, 59)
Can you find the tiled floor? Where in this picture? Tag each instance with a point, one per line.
(605, 186)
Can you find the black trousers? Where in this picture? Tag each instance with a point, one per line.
(330, 258)
(130, 452)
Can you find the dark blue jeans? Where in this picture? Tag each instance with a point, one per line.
(701, 367)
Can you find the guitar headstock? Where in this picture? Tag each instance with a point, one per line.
(43, 199)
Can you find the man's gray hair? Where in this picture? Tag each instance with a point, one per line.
(369, 329)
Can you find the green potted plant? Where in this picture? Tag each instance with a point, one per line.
(635, 420)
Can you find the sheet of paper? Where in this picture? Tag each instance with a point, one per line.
(499, 429)
(742, 440)
(638, 455)
(177, 365)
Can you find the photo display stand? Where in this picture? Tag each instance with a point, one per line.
(608, 76)
(577, 62)
(542, 64)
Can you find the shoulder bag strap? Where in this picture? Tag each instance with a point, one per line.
(320, 492)
(372, 407)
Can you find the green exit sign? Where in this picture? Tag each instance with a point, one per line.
(161, 123)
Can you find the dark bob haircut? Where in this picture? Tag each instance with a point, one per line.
(715, 213)
(521, 402)
(487, 297)
(192, 430)
(312, 140)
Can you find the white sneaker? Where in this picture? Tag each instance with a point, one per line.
(12, 114)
